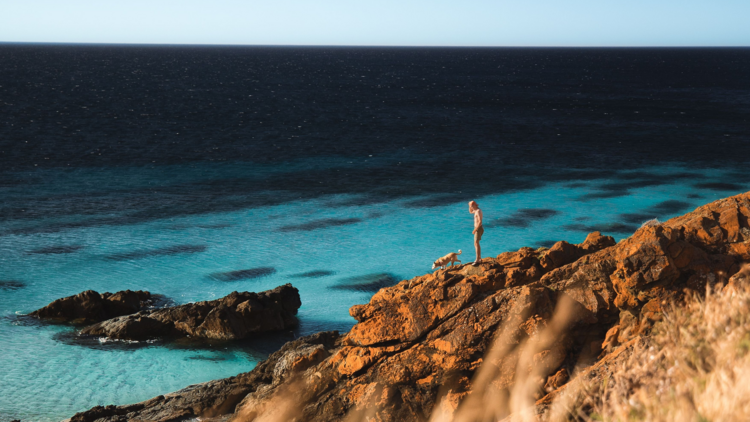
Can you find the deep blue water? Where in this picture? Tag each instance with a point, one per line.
(196, 171)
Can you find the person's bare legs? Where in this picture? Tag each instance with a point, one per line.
(478, 249)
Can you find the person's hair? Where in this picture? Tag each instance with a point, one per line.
(473, 204)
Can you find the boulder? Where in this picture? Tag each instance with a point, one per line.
(235, 316)
(89, 306)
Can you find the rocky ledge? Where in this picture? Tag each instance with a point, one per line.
(525, 321)
(90, 307)
(235, 316)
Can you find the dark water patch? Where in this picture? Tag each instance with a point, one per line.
(604, 195)
(23, 321)
(524, 217)
(436, 201)
(637, 218)
(320, 224)
(243, 274)
(653, 176)
(546, 243)
(582, 218)
(214, 226)
(401, 148)
(170, 250)
(694, 196)
(208, 358)
(605, 228)
(633, 184)
(671, 206)
(199, 226)
(55, 250)
(721, 186)
(11, 285)
(368, 283)
(619, 189)
(359, 201)
(314, 274)
(576, 185)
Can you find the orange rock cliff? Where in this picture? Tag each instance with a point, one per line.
(423, 345)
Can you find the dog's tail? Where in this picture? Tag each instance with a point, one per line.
(459, 252)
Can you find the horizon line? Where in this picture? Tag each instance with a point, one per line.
(147, 44)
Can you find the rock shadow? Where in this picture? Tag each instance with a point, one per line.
(320, 224)
(524, 217)
(238, 275)
(148, 253)
(368, 283)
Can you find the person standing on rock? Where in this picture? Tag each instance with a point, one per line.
(478, 230)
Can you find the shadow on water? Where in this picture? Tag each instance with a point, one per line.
(320, 224)
(55, 250)
(524, 217)
(721, 186)
(256, 347)
(148, 253)
(671, 206)
(368, 283)
(11, 285)
(248, 274)
(660, 210)
(314, 274)
(436, 201)
(634, 180)
(216, 226)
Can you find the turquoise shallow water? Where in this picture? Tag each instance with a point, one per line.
(45, 376)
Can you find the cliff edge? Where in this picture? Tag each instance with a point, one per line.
(529, 320)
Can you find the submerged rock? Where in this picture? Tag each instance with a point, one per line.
(532, 315)
(243, 274)
(235, 316)
(89, 306)
(11, 285)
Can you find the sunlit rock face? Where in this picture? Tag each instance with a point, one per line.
(235, 316)
(537, 317)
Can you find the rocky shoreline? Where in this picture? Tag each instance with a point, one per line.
(125, 315)
(525, 322)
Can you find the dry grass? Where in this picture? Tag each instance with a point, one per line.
(694, 367)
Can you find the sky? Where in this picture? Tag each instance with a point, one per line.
(380, 22)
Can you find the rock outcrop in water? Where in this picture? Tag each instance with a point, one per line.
(426, 344)
(90, 307)
(235, 316)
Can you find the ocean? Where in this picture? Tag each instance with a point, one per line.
(339, 170)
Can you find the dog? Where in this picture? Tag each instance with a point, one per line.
(444, 261)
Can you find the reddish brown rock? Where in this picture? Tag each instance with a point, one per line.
(89, 306)
(234, 316)
(429, 343)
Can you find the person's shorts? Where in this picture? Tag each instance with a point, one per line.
(478, 234)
